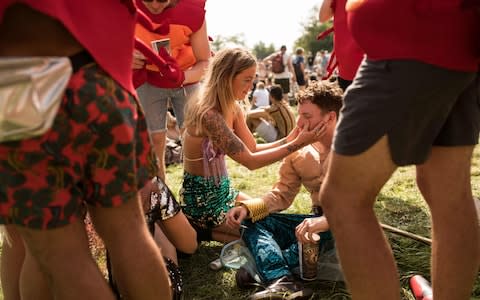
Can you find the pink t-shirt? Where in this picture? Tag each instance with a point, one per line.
(105, 29)
(437, 32)
(349, 55)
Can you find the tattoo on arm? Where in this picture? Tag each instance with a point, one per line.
(222, 136)
(294, 147)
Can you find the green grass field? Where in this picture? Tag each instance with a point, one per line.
(399, 204)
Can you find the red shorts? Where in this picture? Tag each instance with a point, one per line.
(96, 152)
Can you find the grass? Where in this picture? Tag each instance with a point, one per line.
(399, 204)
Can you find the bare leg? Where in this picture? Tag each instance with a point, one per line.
(180, 233)
(33, 282)
(63, 256)
(444, 181)
(168, 249)
(137, 261)
(13, 254)
(225, 234)
(159, 140)
(347, 197)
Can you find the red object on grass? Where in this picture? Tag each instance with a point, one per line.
(421, 288)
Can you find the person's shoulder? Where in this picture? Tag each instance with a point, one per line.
(212, 112)
(182, 4)
(187, 12)
(271, 108)
(283, 105)
(305, 154)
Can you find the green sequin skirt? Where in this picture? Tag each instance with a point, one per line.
(204, 202)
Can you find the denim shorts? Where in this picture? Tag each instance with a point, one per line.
(154, 101)
(415, 104)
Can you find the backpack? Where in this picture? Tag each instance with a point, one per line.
(277, 63)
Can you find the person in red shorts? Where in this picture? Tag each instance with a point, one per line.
(95, 155)
(414, 101)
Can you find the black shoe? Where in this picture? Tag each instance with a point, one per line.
(283, 288)
(245, 280)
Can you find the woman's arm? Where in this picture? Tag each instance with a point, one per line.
(224, 138)
(201, 50)
(326, 11)
(290, 137)
(242, 131)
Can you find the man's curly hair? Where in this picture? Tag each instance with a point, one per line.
(326, 95)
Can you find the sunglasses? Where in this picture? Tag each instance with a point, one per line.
(159, 1)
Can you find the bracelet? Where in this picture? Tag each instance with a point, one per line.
(257, 209)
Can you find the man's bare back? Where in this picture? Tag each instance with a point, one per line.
(26, 32)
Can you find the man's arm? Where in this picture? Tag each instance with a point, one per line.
(201, 50)
(269, 58)
(285, 190)
(258, 113)
(290, 68)
(326, 12)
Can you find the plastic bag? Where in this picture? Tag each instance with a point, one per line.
(235, 255)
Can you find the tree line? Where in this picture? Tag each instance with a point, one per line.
(307, 40)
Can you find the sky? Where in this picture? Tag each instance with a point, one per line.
(270, 21)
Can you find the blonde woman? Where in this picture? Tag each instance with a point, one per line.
(215, 127)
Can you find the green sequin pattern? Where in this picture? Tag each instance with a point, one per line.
(204, 202)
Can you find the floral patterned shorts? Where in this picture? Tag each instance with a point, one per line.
(96, 152)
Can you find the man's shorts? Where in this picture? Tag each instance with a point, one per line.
(154, 101)
(97, 152)
(416, 105)
(267, 131)
(284, 83)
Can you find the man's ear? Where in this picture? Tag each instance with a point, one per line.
(332, 116)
